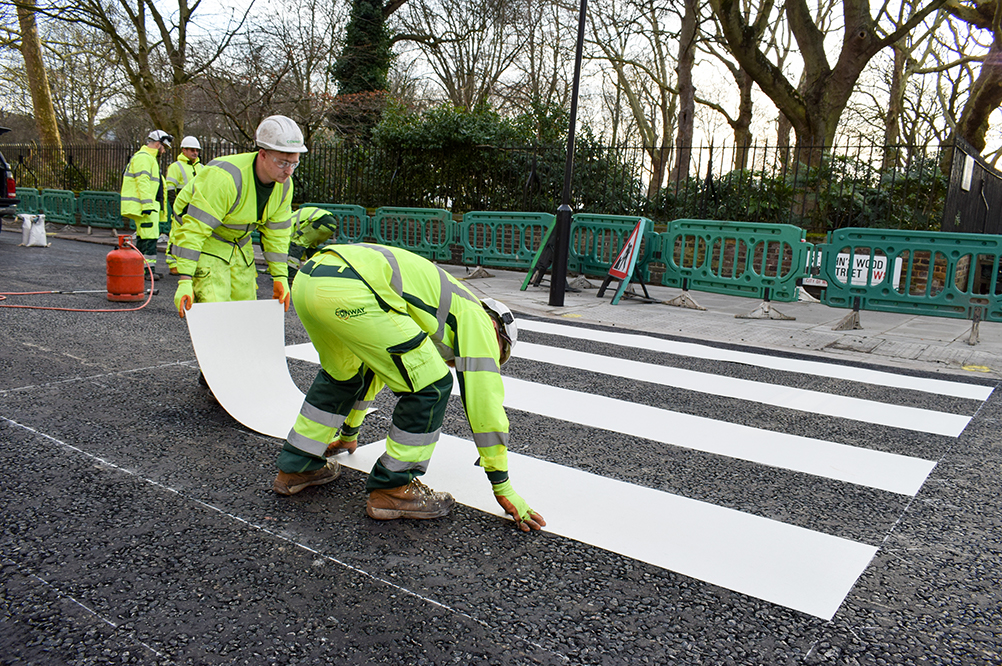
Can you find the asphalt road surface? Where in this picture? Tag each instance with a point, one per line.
(139, 525)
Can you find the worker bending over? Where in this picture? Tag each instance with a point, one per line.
(380, 315)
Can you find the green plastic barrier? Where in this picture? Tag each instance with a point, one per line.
(59, 206)
(101, 209)
(424, 231)
(352, 221)
(735, 258)
(596, 241)
(30, 200)
(502, 239)
(914, 272)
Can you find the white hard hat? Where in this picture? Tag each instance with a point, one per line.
(506, 325)
(190, 142)
(280, 133)
(161, 136)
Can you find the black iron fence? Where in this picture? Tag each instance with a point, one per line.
(861, 185)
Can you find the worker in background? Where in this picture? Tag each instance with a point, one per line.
(228, 199)
(311, 228)
(381, 315)
(143, 195)
(179, 174)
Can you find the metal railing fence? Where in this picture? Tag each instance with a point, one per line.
(819, 190)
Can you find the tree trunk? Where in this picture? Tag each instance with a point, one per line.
(38, 80)
(986, 93)
(686, 90)
(895, 102)
(742, 126)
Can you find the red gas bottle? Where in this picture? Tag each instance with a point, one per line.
(125, 273)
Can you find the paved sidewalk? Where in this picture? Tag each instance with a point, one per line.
(932, 344)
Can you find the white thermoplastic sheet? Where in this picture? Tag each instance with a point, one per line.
(808, 571)
(240, 348)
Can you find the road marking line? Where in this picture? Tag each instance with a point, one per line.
(875, 469)
(816, 402)
(817, 368)
(792, 566)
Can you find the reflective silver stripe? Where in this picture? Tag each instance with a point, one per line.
(476, 364)
(404, 438)
(285, 224)
(444, 304)
(206, 218)
(238, 179)
(172, 181)
(304, 443)
(286, 186)
(485, 440)
(137, 174)
(394, 465)
(236, 226)
(185, 253)
(276, 257)
(445, 351)
(362, 405)
(240, 242)
(134, 199)
(396, 282)
(318, 415)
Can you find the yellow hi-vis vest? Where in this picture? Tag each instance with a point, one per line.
(455, 320)
(218, 212)
(181, 171)
(142, 186)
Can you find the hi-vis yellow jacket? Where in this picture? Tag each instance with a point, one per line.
(181, 171)
(218, 212)
(454, 318)
(142, 186)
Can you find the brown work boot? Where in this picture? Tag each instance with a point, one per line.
(290, 484)
(340, 446)
(415, 500)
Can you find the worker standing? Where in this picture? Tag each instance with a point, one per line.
(180, 173)
(143, 195)
(381, 315)
(228, 199)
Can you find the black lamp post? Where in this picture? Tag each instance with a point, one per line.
(558, 276)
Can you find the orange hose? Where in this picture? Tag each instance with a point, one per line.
(4, 295)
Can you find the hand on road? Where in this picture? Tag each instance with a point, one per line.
(517, 508)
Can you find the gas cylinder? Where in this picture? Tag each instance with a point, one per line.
(125, 273)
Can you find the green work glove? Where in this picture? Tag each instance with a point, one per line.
(280, 291)
(517, 508)
(184, 296)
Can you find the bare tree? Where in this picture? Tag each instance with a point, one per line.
(986, 94)
(469, 45)
(815, 107)
(632, 39)
(540, 78)
(142, 33)
(275, 66)
(86, 80)
(38, 80)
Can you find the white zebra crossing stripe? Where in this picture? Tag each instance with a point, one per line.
(875, 469)
(787, 565)
(817, 368)
(881, 413)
